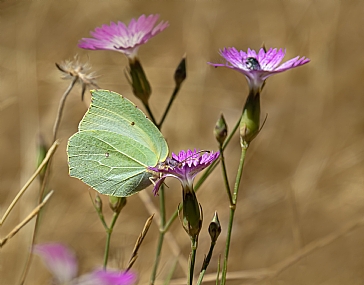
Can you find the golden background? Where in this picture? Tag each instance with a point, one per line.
(303, 178)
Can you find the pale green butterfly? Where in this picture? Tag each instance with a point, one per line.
(114, 145)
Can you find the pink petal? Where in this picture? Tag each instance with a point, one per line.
(109, 277)
(59, 260)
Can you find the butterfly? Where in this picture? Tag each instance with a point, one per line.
(114, 146)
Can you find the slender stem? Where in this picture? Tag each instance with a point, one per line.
(205, 175)
(206, 263)
(101, 215)
(174, 94)
(150, 114)
(162, 210)
(45, 180)
(171, 272)
(48, 156)
(232, 212)
(26, 220)
(218, 270)
(224, 175)
(194, 243)
(61, 107)
(108, 237)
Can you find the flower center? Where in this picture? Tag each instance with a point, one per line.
(252, 63)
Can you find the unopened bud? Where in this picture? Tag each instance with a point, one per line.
(250, 120)
(214, 228)
(221, 130)
(180, 73)
(117, 203)
(138, 81)
(191, 221)
(98, 203)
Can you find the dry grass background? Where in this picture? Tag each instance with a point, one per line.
(303, 178)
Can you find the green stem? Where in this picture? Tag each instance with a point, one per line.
(100, 214)
(194, 243)
(175, 91)
(205, 175)
(162, 210)
(109, 231)
(224, 175)
(218, 270)
(150, 114)
(232, 212)
(205, 264)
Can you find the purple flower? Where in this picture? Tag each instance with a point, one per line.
(184, 166)
(59, 260)
(62, 263)
(122, 38)
(257, 67)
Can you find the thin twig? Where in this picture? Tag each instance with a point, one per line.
(176, 251)
(27, 184)
(61, 107)
(139, 241)
(46, 176)
(26, 220)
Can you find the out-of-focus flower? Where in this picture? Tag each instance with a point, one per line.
(110, 277)
(59, 260)
(62, 264)
(78, 71)
(184, 166)
(122, 38)
(258, 66)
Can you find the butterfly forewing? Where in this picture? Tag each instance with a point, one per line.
(112, 112)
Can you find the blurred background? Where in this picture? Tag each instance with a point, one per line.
(303, 178)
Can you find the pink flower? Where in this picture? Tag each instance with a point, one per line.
(184, 166)
(62, 264)
(122, 38)
(257, 67)
(110, 277)
(59, 260)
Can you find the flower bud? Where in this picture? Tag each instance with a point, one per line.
(98, 203)
(214, 228)
(220, 130)
(138, 81)
(192, 221)
(250, 120)
(180, 73)
(117, 203)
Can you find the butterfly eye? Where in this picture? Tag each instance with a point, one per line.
(252, 63)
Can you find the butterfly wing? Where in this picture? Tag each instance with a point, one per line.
(114, 145)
